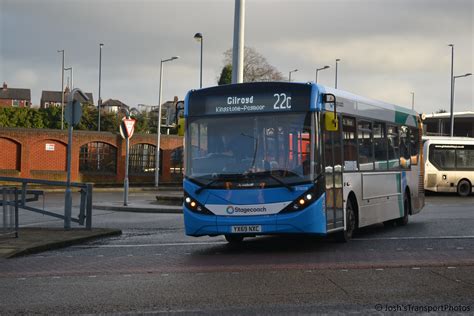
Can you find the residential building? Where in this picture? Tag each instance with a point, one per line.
(53, 98)
(15, 97)
(114, 106)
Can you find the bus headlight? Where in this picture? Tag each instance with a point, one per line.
(303, 200)
(194, 206)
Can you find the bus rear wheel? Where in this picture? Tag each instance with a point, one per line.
(464, 188)
(402, 221)
(234, 239)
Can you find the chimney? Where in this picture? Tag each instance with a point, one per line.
(4, 85)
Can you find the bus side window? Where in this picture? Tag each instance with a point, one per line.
(404, 147)
(414, 145)
(364, 136)
(380, 146)
(393, 147)
(350, 143)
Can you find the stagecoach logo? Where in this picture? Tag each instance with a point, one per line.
(230, 210)
(245, 209)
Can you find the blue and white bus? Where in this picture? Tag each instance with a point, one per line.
(290, 158)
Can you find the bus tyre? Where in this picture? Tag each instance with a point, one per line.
(402, 221)
(464, 188)
(346, 235)
(234, 239)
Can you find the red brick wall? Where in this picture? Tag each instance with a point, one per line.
(52, 159)
(9, 154)
(33, 161)
(4, 103)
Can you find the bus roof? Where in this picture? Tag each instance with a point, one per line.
(358, 98)
(448, 140)
(305, 96)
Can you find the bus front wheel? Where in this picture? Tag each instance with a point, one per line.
(346, 235)
(464, 187)
(234, 239)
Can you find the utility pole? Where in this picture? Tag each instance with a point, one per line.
(238, 48)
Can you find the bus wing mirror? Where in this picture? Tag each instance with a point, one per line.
(330, 118)
(331, 122)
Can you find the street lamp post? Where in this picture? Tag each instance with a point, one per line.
(452, 90)
(72, 78)
(337, 61)
(99, 101)
(412, 100)
(158, 126)
(317, 70)
(289, 74)
(198, 37)
(452, 108)
(62, 89)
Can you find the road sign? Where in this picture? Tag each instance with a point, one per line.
(127, 127)
(73, 112)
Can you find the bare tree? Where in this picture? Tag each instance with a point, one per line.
(256, 67)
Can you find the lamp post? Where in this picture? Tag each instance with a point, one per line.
(317, 70)
(337, 61)
(289, 74)
(452, 90)
(62, 89)
(72, 78)
(412, 100)
(99, 101)
(452, 108)
(198, 37)
(158, 126)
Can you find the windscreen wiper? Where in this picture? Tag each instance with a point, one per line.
(270, 175)
(218, 178)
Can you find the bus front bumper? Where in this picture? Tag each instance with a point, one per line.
(311, 220)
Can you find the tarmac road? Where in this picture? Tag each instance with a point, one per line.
(154, 268)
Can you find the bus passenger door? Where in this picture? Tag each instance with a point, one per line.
(332, 151)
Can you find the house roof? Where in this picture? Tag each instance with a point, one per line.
(55, 96)
(112, 102)
(15, 94)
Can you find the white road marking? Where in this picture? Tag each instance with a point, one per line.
(416, 268)
(451, 267)
(92, 276)
(379, 269)
(21, 279)
(414, 237)
(207, 243)
(152, 245)
(56, 277)
(344, 270)
(459, 248)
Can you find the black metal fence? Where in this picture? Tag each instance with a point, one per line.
(9, 210)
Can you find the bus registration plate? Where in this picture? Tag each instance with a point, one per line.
(247, 229)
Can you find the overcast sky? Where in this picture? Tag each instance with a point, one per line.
(387, 48)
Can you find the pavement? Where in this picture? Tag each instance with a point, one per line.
(37, 239)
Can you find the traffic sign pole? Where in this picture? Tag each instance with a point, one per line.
(125, 181)
(73, 117)
(126, 130)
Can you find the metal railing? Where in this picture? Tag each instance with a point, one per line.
(9, 204)
(23, 196)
